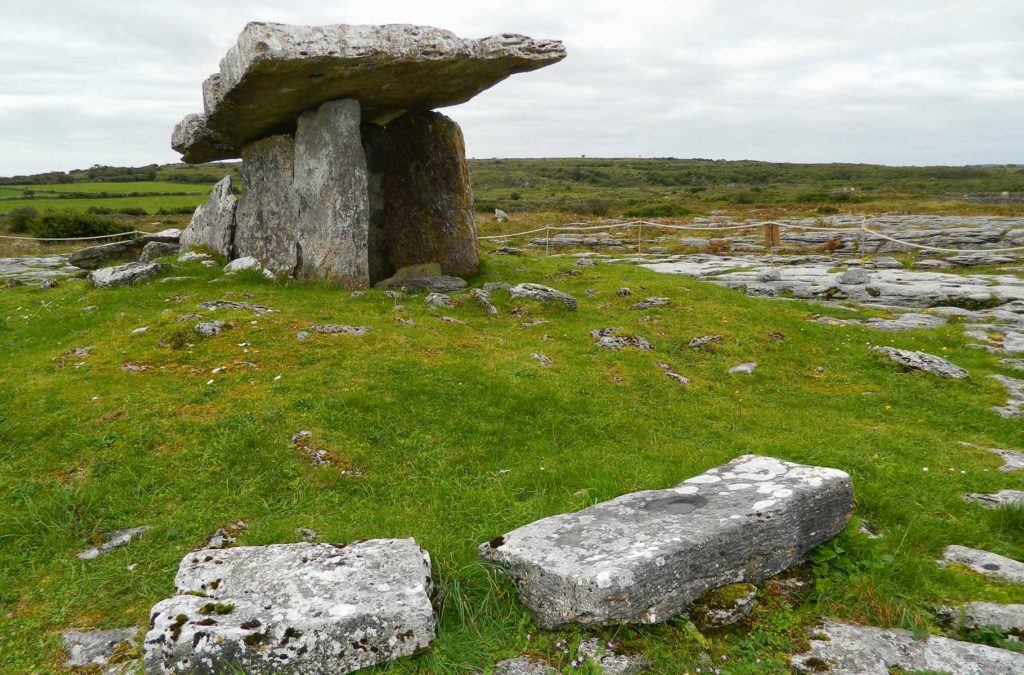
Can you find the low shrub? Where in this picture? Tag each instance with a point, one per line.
(21, 219)
(63, 224)
(658, 211)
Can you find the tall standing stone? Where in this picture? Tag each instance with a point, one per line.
(373, 148)
(265, 221)
(428, 202)
(213, 223)
(332, 197)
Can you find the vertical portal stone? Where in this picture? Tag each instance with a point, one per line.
(265, 221)
(428, 202)
(333, 201)
(373, 147)
(213, 223)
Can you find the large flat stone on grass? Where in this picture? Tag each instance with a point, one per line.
(645, 557)
(277, 71)
(306, 608)
(850, 649)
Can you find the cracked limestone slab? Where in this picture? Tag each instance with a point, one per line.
(275, 72)
(645, 557)
(307, 608)
(1009, 619)
(1015, 401)
(984, 562)
(997, 499)
(911, 360)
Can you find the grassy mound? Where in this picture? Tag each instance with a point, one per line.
(451, 433)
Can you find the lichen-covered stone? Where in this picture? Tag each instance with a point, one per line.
(996, 500)
(911, 360)
(645, 557)
(984, 562)
(1007, 619)
(265, 220)
(428, 201)
(123, 275)
(101, 255)
(277, 71)
(723, 606)
(95, 649)
(156, 249)
(213, 223)
(304, 608)
(542, 293)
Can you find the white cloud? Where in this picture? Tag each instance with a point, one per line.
(918, 81)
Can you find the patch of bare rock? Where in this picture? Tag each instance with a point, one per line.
(912, 360)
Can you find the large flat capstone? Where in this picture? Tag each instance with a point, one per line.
(305, 608)
(277, 71)
(645, 557)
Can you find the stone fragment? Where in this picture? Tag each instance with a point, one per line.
(426, 276)
(607, 661)
(541, 359)
(908, 321)
(47, 284)
(652, 302)
(523, 665)
(277, 71)
(213, 223)
(850, 649)
(226, 536)
(911, 360)
(439, 300)
(309, 608)
(1015, 402)
(743, 369)
(609, 339)
(645, 557)
(307, 533)
(723, 606)
(336, 329)
(123, 275)
(542, 294)
(500, 215)
(95, 648)
(209, 328)
(95, 257)
(1016, 364)
(585, 262)
(451, 319)
(984, 562)
(115, 539)
(193, 256)
(507, 250)
(428, 202)
(704, 340)
(156, 249)
(493, 286)
(483, 298)
(998, 499)
(623, 292)
(854, 277)
(213, 305)
(1008, 619)
(245, 263)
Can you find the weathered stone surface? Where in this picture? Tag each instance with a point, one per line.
(428, 202)
(123, 275)
(652, 302)
(336, 329)
(213, 223)
(743, 369)
(911, 360)
(277, 71)
(1015, 402)
(850, 649)
(908, 321)
(156, 249)
(541, 359)
(33, 269)
(95, 257)
(723, 606)
(542, 294)
(704, 340)
(854, 277)
(523, 665)
(483, 298)
(1013, 460)
(304, 608)
(1009, 619)
(374, 141)
(427, 276)
(267, 214)
(984, 562)
(645, 557)
(209, 328)
(608, 338)
(607, 661)
(94, 648)
(997, 499)
(246, 263)
(115, 539)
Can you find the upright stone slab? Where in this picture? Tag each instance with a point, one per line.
(265, 221)
(645, 557)
(296, 608)
(213, 223)
(332, 196)
(373, 147)
(428, 201)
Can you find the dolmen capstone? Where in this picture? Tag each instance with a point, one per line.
(645, 557)
(348, 173)
(305, 608)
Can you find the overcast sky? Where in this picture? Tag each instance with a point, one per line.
(886, 81)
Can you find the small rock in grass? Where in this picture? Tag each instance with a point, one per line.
(541, 359)
(911, 360)
(232, 304)
(193, 256)
(623, 292)
(451, 319)
(704, 340)
(123, 275)
(483, 298)
(608, 662)
(776, 336)
(1007, 619)
(998, 499)
(302, 335)
(607, 338)
(507, 250)
(523, 665)
(213, 263)
(585, 262)
(652, 302)
(336, 329)
(115, 539)
(590, 292)
(1015, 403)
(533, 322)
(681, 379)
(440, 300)
(542, 294)
(209, 328)
(246, 263)
(226, 536)
(94, 649)
(140, 330)
(47, 284)
(984, 562)
(493, 286)
(307, 533)
(743, 369)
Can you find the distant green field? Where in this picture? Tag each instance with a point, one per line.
(148, 186)
(150, 204)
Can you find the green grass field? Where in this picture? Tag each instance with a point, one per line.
(463, 436)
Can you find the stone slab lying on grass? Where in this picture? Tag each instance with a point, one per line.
(911, 360)
(608, 338)
(1009, 619)
(156, 249)
(306, 608)
(997, 499)
(645, 557)
(94, 648)
(95, 257)
(123, 275)
(115, 539)
(1015, 402)
(908, 321)
(233, 304)
(1013, 460)
(984, 562)
(542, 294)
(850, 649)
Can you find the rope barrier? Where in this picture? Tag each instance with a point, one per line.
(939, 248)
(101, 236)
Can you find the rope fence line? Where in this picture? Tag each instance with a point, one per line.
(100, 236)
(772, 229)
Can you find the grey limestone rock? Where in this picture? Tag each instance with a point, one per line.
(483, 298)
(645, 557)
(854, 277)
(911, 360)
(209, 328)
(94, 648)
(541, 359)
(1015, 402)
(542, 294)
(704, 340)
(277, 71)
(607, 661)
(336, 329)
(156, 249)
(123, 275)
(95, 257)
(213, 223)
(523, 665)
(743, 369)
(1013, 460)
(1009, 619)
(984, 562)
(609, 338)
(850, 649)
(997, 499)
(115, 539)
(652, 302)
(304, 608)
(244, 263)
(439, 300)
(724, 606)
(214, 305)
